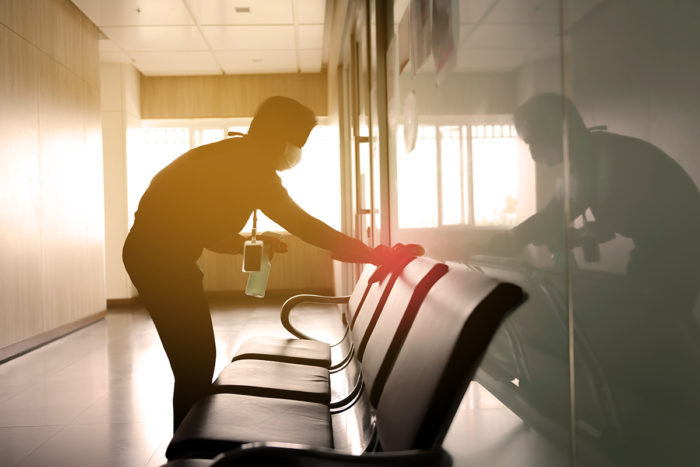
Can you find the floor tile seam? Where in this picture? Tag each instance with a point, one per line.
(74, 424)
(97, 399)
(43, 425)
(4, 400)
(157, 449)
(57, 369)
(41, 444)
(84, 357)
(26, 359)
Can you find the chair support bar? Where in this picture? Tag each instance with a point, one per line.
(298, 299)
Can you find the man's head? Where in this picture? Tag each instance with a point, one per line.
(540, 124)
(279, 129)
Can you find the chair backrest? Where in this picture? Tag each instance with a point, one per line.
(434, 355)
(363, 320)
(359, 292)
(409, 289)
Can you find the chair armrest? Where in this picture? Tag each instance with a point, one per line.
(256, 454)
(298, 299)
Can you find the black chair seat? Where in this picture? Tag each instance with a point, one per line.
(305, 352)
(190, 463)
(282, 380)
(221, 422)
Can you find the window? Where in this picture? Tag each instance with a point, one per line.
(148, 151)
(417, 181)
(494, 151)
(461, 175)
(313, 184)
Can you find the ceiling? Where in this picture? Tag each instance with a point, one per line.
(210, 37)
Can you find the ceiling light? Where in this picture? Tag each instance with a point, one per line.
(242, 9)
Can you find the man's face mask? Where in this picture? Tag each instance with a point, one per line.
(290, 157)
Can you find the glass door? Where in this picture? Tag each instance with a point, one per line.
(365, 162)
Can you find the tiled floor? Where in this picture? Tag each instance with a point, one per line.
(101, 397)
(484, 433)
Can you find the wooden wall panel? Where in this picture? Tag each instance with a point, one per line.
(20, 262)
(21, 16)
(229, 95)
(51, 189)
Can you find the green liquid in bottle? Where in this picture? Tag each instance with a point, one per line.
(257, 280)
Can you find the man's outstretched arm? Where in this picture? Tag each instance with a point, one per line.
(301, 224)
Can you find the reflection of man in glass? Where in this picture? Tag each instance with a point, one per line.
(619, 185)
(635, 337)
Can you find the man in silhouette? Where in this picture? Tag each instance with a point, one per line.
(202, 200)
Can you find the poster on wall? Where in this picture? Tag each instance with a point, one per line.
(410, 121)
(404, 37)
(445, 32)
(421, 38)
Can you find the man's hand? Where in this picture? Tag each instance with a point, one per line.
(382, 254)
(274, 243)
(393, 259)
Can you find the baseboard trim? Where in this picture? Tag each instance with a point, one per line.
(123, 302)
(114, 304)
(27, 345)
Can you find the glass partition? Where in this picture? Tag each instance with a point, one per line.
(552, 143)
(470, 189)
(632, 73)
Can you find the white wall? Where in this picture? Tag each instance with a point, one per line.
(460, 93)
(119, 90)
(644, 83)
